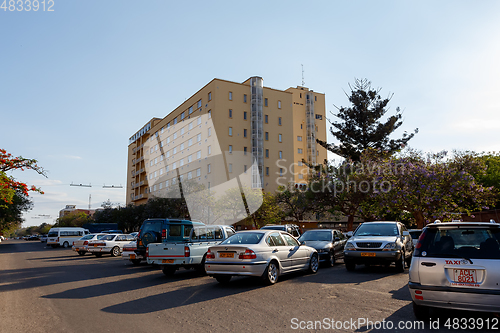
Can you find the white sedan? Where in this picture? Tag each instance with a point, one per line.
(81, 245)
(111, 243)
(264, 253)
(128, 253)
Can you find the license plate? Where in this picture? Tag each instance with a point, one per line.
(95, 245)
(465, 275)
(77, 249)
(226, 255)
(366, 254)
(132, 256)
(167, 261)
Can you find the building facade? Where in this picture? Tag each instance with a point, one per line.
(229, 133)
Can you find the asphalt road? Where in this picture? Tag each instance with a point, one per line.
(55, 290)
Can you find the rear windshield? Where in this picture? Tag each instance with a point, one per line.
(151, 226)
(377, 229)
(478, 243)
(53, 234)
(316, 236)
(87, 237)
(244, 238)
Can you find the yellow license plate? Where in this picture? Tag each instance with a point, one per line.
(132, 256)
(167, 261)
(226, 255)
(366, 254)
(95, 245)
(77, 249)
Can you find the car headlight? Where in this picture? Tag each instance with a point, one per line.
(391, 246)
(349, 246)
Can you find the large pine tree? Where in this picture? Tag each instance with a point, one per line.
(360, 126)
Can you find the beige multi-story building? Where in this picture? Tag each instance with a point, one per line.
(226, 130)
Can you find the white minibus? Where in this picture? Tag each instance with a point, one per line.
(65, 236)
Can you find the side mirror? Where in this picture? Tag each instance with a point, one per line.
(349, 234)
(406, 233)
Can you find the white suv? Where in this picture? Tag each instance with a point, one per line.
(456, 266)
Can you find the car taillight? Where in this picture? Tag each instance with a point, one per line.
(248, 254)
(420, 239)
(147, 251)
(73, 243)
(187, 252)
(57, 240)
(164, 234)
(210, 255)
(85, 243)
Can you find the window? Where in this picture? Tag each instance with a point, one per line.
(168, 125)
(265, 101)
(209, 168)
(182, 131)
(190, 174)
(190, 158)
(199, 121)
(166, 183)
(230, 131)
(280, 154)
(266, 119)
(267, 171)
(209, 131)
(279, 104)
(181, 163)
(299, 150)
(209, 114)
(245, 133)
(183, 115)
(267, 153)
(281, 171)
(230, 96)
(190, 110)
(175, 136)
(209, 150)
(182, 146)
(198, 172)
(244, 98)
(279, 121)
(320, 117)
(198, 154)
(190, 127)
(230, 167)
(198, 138)
(245, 115)
(230, 149)
(301, 176)
(168, 154)
(209, 96)
(244, 168)
(244, 150)
(175, 121)
(299, 138)
(199, 104)
(175, 151)
(174, 166)
(280, 138)
(190, 142)
(299, 163)
(168, 140)
(230, 113)
(267, 136)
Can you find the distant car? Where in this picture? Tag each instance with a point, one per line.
(263, 253)
(43, 238)
(382, 242)
(128, 253)
(456, 265)
(415, 233)
(328, 242)
(134, 234)
(81, 245)
(292, 229)
(110, 243)
(33, 238)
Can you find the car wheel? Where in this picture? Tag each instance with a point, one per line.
(82, 253)
(98, 255)
(65, 245)
(349, 265)
(115, 252)
(223, 279)
(420, 311)
(136, 261)
(270, 275)
(331, 259)
(168, 270)
(400, 264)
(313, 264)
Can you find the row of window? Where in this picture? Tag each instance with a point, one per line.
(245, 99)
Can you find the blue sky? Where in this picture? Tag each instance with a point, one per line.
(77, 82)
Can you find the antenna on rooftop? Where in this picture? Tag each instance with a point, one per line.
(303, 83)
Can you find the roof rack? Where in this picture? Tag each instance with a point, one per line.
(437, 221)
(492, 221)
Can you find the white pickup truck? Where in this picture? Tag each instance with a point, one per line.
(190, 254)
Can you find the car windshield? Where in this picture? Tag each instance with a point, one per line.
(244, 238)
(475, 243)
(316, 236)
(377, 229)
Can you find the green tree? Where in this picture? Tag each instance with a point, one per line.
(360, 126)
(73, 219)
(11, 213)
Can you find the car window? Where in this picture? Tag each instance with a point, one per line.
(218, 233)
(295, 232)
(87, 237)
(120, 238)
(377, 229)
(415, 234)
(278, 241)
(244, 238)
(175, 230)
(473, 243)
(290, 241)
(187, 230)
(269, 241)
(108, 237)
(130, 237)
(101, 236)
(229, 232)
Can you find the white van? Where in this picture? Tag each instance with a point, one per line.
(65, 236)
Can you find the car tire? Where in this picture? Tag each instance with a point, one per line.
(223, 279)
(349, 265)
(65, 245)
(422, 312)
(98, 255)
(313, 264)
(400, 264)
(115, 252)
(331, 259)
(135, 261)
(271, 273)
(168, 270)
(82, 253)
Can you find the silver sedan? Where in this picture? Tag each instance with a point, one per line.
(264, 253)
